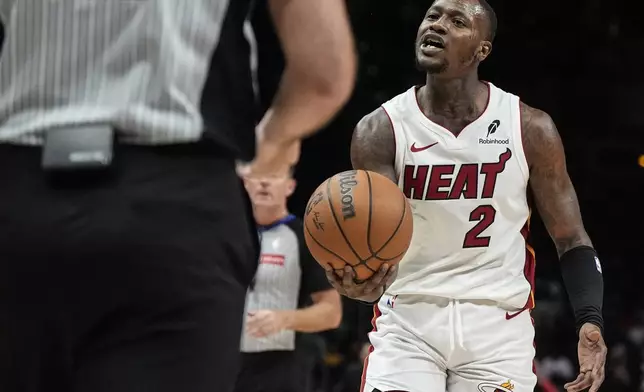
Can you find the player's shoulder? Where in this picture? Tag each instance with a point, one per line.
(533, 118)
(373, 139)
(373, 144)
(380, 119)
(377, 120)
(536, 122)
(399, 105)
(538, 131)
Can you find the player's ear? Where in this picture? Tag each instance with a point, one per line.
(484, 51)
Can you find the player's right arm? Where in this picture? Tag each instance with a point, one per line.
(318, 79)
(373, 148)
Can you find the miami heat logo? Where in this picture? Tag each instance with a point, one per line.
(490, 387)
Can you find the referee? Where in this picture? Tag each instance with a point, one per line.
(126, 238)
(289, 298)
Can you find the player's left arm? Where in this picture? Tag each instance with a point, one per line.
(551, 186)
(558, 206)
(557, 203)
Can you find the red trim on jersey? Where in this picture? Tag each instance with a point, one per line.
(363, 381)
(487, 105)
(529, 268)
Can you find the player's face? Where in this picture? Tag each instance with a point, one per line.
(451, 36)
(269, 192)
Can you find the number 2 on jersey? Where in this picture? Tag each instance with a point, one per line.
(485, 216)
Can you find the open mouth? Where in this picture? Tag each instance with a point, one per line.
(432, 43)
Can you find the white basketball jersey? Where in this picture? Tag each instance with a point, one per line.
(468, 196)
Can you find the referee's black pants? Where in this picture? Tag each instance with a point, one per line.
(275, 371)
(132, 281)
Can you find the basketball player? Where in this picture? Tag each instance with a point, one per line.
(126, 238)
(457, 316)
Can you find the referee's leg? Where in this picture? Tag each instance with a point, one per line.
(200, 251)
(134, 284)
(273, 371)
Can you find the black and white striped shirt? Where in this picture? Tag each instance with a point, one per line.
(285, 280)
(158, 71)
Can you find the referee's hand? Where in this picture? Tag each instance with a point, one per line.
(368, 291)
(264, 323)
(273, 160)
(277, 153)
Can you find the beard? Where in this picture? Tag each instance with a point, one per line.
(433, 67)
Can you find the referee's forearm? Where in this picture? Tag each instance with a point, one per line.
(316, 318)
(320, 69)
(302, 107)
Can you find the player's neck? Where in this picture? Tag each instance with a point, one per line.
(450, 97)
(267, 217)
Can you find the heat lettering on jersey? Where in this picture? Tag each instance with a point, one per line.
(439, 182)
(442, 184)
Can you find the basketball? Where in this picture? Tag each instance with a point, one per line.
(358, 218)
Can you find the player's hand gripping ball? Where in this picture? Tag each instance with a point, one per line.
(358, 219)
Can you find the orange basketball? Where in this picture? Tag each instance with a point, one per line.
(359, 218)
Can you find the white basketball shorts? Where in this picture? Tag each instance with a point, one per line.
(429, 344)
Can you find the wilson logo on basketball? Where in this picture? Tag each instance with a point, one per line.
(347, 182)
(377, 228)
(272, 259)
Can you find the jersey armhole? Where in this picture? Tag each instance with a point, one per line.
(399, 138)
(518, 139)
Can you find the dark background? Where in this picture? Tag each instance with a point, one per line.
(580, 61)
(577, 60)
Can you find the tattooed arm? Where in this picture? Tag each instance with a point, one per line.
(373, 146)
(553, 191)
(580, 268)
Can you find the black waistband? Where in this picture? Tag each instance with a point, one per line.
(185, 159)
